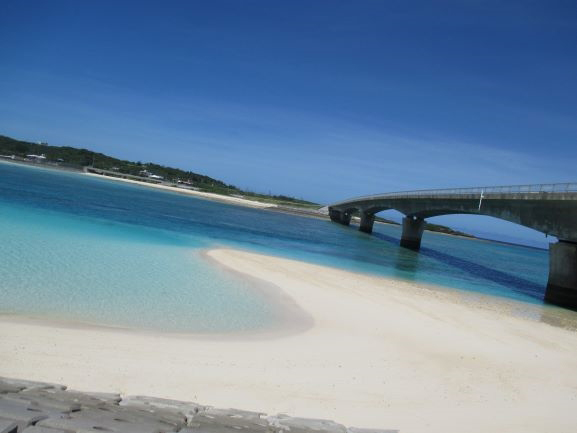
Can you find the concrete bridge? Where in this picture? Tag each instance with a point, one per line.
(548, 208)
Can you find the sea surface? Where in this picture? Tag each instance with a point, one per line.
(81, 248)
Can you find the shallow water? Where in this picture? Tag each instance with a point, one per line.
(83, 248)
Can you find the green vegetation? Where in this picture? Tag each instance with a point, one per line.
(386, 221)
(72, 157)
(444, 229)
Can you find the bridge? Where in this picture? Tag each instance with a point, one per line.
(548, 208)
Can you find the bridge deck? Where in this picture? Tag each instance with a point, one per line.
(549, 191)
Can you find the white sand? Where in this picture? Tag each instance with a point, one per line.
(381, 353)
(199, 194)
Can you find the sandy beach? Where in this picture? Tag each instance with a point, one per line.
(378, 353)
(199, 194)
(205, 195)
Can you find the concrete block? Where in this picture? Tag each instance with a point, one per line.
(165, 419)
(21, 414)
(369, 430)
(186, 409)
(28, 384)
(6, 387)
(67, 397)
(108, 397)
(235, 413)
(7, 426)
(80, 424)
(185, 430)
(162, 403)
(216, 428)
(36, 429)
(283, 422)
(117, 419)
(229, 420)
(43, 402)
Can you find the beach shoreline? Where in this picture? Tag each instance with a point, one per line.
(377, 351)
(199, 194)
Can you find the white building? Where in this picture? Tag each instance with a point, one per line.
(38, 158)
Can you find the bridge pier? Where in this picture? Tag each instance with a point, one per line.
(341, 217)
(562, 283)
(367, 221)
(413, 228)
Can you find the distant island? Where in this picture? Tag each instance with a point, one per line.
(67, 157)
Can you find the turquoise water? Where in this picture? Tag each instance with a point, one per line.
(82, 248)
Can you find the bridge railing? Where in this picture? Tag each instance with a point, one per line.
(481, 190)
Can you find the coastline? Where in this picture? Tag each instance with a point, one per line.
(199, 194)
(380, 353)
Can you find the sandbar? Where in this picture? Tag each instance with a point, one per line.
(379, 353)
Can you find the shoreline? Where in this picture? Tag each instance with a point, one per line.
(198, 194)
(377, 352)
(289, 318)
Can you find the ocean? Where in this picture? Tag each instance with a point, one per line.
(81, 248)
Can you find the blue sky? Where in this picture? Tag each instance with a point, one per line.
(317, 99)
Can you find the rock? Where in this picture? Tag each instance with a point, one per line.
(7, 426)
(20, 413)
(59, 396)
(108, 397)
(28, 384)
(80, 424)
(40, 407)
(369, 430)
(43, 402)
(164, 418)
(286, 423)
(7, 388)
(187, 409)
(229, 420)
(36, 429)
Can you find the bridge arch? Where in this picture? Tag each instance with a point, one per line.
(547, 208)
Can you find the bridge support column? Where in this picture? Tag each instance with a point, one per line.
(340, 217)
(562, 284)
(413, 228)
(367, 221)
(335, 215)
